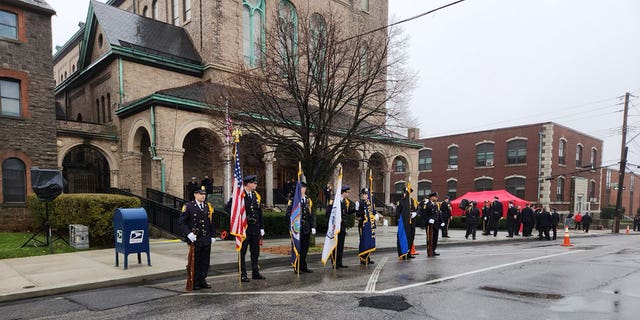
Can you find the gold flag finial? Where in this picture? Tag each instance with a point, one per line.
(237, 133)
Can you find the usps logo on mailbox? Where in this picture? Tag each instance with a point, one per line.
(136, 236)
(119, 238)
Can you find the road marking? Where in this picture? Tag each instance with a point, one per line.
(474, 272)
(371, 285)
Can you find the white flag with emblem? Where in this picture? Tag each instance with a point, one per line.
(333, 228)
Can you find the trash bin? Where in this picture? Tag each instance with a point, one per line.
(79, 236)
(131, 233)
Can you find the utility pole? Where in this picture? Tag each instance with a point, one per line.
(623, 165)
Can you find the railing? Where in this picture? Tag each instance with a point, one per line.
(165, 198)
(159, 214)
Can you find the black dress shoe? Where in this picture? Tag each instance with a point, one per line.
(411, 257)
(436, 254)
(205, 285)
(307, 270)
(258, 277)
(340, 266)
(245, 279)
(196, 287)
(371, 262)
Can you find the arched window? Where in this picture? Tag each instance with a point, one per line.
(145, 11)
(453, 158)
(186, 8)
(398, 186)
(592, 191)
(8, 25)
(253, 31)
(424, 188)
(483, 184)
(579, 156)
(562, 151)
(424, 160)
(288, 19)
(594, 158)
(452, 189)
(515, 186)
(401, 166)
(14, 187)
(484, 155)
(154, 9)
(317, 51)
(560, 189)
(175, 12)
(10, 97)
(517, 151)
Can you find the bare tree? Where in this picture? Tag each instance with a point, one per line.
(324, 86)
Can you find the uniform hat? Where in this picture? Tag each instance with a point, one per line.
(364, 191)
(201, 191)
(432, 194)
(407, 190)
(345, 188)
(250, 178)
(303, 184)
(510, 202)
(495, 197)
(193, 178)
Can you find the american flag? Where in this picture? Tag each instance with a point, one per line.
(238, 214)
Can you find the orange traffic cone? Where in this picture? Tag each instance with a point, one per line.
(627, 230)
(567, 242)
(413, 250)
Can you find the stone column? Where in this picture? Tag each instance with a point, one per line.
(387, 188)
(268, 180)
(131, 170)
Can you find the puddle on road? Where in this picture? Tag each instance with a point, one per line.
(526, 294)
(395, 303)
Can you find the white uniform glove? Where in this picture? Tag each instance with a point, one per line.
(313, 230)
(377, 217)
(442, 224)
(413, 214)
(357, 205)
(192, 237)
(431, 221)
(262, 232)
(485, 218)
(213, 240)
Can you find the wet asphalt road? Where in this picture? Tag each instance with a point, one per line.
(595, 279)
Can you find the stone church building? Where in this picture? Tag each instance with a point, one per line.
(134, 84)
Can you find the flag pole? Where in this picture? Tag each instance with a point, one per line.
(239, 269)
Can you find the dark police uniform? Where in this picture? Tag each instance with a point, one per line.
(197, 219)
(512, 214)
(254, 225)
(473, 215)
(486, 217)
(445, 208)
(307, 222)
(555, 219)
(347, 207)
(429, 211)
(364, 207)
(496, 215)
(528, 220)
(408, 222)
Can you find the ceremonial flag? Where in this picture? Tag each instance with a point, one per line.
(335, 221)
(368, 234)
(238, 213)
(403, 224)
(294, 225)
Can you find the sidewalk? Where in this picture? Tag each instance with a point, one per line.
(38, 276)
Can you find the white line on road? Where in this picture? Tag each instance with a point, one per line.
(371, 285)
(474, 272)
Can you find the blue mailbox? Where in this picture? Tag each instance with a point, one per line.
(131, 233)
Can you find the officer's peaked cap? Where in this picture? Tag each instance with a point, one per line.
(250, 178)
(432, 194)
(345, 188)
(201, 190)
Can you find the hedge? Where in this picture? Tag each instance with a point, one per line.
(276, 223)
(94, 210)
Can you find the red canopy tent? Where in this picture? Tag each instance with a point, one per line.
(481, 196)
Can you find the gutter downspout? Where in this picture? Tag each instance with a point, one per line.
(121, 80)
(154, 154)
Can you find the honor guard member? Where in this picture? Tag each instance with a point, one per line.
(431, 214)
(528, 220)
(362, 208)
(486, 215)
(197, 228)
(473, 215)
(255, 228)
(496, 216)
(347, 208)
(512, 215)
(307, 226)
(445, 208)
(409, 219)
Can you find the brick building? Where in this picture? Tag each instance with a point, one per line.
(543, 163)
(630, 203)
(136, 81)
(27, 109)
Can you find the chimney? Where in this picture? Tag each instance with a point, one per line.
(413, 134)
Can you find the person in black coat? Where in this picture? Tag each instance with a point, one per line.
(473, 215)
(255, 227)
(512, 214)
(197, 228)
(207, 183)
(517, 221)
(445, 208)
(496, 216)
(586, 222)
(408, 219)
(192, 187)
(486, 216)
(307, 226)
(543, 224)
(555, 219)
(432, 216)
(528, 220)
(347, 208)
(636, 221)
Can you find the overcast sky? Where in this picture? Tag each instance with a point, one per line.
(485, 64)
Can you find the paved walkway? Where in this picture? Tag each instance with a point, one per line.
(30, 277)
